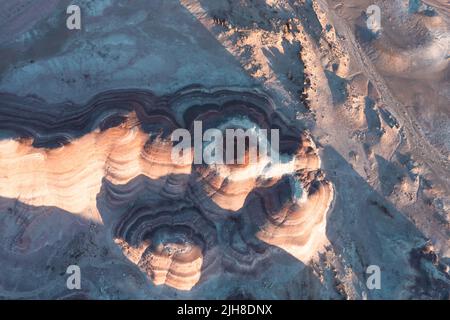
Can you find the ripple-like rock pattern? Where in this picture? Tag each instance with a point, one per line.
(171, 243)
(110, 160)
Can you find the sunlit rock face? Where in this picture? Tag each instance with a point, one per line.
(295, 222)
(110, 161)
(171, 243)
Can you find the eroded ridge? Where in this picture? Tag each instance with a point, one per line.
(110, 161)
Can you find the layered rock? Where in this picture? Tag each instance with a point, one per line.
(111, 161)
(296, 223)
(172, 244)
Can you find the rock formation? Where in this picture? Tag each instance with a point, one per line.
(64, 159)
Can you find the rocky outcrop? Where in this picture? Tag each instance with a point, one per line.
(100, 161)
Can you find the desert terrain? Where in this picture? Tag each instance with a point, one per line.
(86, 176)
